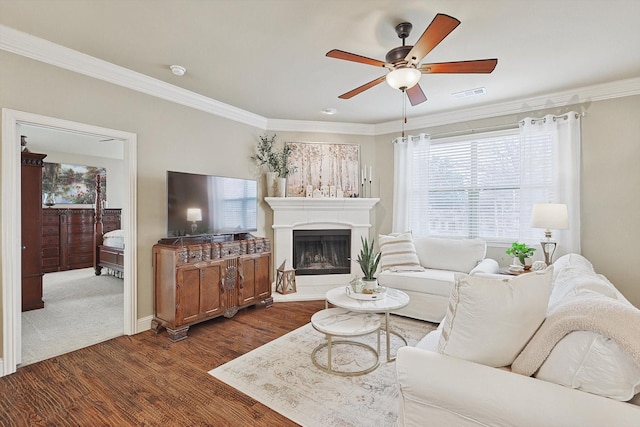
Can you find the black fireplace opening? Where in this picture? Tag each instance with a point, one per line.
(321, 252)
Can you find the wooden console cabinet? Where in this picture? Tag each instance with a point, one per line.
(194, 282)
(68, 237)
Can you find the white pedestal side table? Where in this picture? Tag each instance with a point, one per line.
(337, 322)
(393, 299)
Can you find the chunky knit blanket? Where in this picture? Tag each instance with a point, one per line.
(608, 317)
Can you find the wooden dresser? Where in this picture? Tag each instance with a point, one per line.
(199, 280)
(31, 175)
(68, 237)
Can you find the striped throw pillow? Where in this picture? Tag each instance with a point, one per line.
(398, 253)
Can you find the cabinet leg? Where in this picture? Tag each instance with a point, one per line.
(179, 334)
(268, 302)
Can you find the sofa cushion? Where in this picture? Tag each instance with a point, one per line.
(590, 362)
(435, 282)
(397, 252)
(489, 321)
(460, 255)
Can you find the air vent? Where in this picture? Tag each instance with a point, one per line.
(469, 93)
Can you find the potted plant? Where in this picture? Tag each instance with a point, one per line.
(520, 251)
(368, 260)
(276, 163)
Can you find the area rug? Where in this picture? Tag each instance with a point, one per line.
(281, 375)
(80, 309)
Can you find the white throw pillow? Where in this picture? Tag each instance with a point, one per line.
(450, 254)
(590, 362)
(398, 253)
(489, 321)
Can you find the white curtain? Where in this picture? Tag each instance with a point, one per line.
(403, 155)
(563, 132)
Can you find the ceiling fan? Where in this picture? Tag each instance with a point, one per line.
(403, 61)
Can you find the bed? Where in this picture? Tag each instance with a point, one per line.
(109, 238)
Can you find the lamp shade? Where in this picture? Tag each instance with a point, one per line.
(403, 78)
(194, 214)
(550, 216)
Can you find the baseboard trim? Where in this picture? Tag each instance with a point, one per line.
(143, 324)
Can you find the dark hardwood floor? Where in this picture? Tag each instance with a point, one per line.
(144, 380)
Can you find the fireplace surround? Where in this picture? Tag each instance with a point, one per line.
(302, 213)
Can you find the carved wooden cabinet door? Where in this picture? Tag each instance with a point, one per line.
(263, 276)
(246, 280)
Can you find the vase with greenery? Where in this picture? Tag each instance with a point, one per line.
(276, 163)
(368, 260)
(520, 251)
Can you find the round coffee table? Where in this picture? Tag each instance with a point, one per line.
(393, 299)
(337, 322)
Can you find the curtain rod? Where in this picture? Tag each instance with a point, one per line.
(493, 128)
(472, 131)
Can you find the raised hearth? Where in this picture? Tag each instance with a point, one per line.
(301, 213)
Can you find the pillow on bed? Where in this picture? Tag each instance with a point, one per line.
(114, 233)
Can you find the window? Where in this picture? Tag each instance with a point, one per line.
(480, 185)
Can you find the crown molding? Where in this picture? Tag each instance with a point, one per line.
(320, 126)
(583, 95)
(30, 46)
(24, 44)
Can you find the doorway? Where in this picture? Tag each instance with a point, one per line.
(12, 120)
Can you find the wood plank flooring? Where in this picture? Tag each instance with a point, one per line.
(145, 380)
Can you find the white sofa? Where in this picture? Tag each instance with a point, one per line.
(429, 283)
(440, 390)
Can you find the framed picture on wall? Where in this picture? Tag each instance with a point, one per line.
(331, 170)
(71, 184)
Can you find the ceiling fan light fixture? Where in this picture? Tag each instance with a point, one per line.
(403, 78)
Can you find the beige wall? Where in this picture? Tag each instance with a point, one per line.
(609, 185)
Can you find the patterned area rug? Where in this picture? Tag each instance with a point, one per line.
(282, 376)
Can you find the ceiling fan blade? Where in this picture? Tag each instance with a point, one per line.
(362, 88)
(416, 95)
(477, 66)
(340, 54)
(439, 28)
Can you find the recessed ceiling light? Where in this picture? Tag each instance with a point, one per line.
(470, 92)
(178, 70)
(329, 111)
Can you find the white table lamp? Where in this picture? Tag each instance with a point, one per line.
(549, 216)
(193, 215)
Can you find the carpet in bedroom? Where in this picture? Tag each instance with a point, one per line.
(281, 375)
(81, 309)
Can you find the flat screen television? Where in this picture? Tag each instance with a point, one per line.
(207, 204)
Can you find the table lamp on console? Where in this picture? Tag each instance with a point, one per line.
(193, 215)
(549, 216)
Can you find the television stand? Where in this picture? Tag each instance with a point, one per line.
(197, 279)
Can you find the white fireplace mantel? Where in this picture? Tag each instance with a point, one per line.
(305, 213)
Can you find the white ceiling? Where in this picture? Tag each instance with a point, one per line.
(268, 56)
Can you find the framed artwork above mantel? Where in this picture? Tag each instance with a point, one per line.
(331, 169)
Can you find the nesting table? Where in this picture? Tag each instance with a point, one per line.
(393, 299)
(338, 322)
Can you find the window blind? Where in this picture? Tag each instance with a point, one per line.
(481, 185)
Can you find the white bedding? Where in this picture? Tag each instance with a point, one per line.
(114, 239)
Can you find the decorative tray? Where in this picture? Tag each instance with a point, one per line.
(378, 293)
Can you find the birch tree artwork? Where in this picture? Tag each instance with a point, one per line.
(324, 167)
